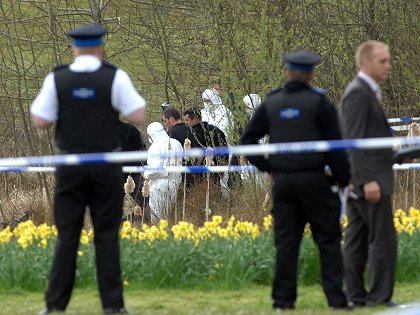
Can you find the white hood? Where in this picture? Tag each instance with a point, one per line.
(252, 101)
(155, 130)
(211, 96)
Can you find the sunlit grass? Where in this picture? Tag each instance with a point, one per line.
(247, 301)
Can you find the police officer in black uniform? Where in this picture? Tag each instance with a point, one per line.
(301, 190)
(84, 99)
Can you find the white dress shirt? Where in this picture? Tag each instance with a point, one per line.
(372, 84)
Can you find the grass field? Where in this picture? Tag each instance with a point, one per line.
(253, 300)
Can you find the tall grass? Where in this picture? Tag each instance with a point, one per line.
(21, 192)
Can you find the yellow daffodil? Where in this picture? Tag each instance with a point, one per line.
(43, 243)
(26, 232)
(84, 239)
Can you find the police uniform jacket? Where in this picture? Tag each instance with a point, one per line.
(297, 113)
(107, 88)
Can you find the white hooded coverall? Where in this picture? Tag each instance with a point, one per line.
(163, 185)
(215, 113)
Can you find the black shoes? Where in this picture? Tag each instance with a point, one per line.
(111, 311)
(47, 310)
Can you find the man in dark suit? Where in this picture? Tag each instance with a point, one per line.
(370, 235)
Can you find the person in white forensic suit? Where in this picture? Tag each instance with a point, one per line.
(215, 113)
(163, 185)
(251, 101)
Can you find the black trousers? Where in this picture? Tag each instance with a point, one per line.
(370, 242)
(100, 187)
(298, 198)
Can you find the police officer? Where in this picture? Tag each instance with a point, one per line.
(301, 190)
(84, 100)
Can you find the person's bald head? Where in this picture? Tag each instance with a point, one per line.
(374, 59)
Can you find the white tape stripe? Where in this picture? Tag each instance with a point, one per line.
(401, 128)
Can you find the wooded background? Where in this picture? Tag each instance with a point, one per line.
(173, 48)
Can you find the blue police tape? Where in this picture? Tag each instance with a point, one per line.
(246, 150)
(140, 169)
(403, 119)
(181, 169)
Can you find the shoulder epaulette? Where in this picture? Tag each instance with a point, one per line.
(60, 66)
(318, 90)
(273, 91)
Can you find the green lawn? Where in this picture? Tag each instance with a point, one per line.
(254, 300)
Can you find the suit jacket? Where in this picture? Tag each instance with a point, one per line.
(362, 116)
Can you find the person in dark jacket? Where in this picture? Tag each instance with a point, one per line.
(84, 100)
(131, 140)
(206, 136)
(171, 118)
(300, 187)
(370, 240)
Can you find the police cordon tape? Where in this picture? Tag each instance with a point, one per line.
(400, 128)
(180, 169)
(403, 119)
(246, 150)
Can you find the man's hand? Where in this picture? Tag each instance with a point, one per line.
(372, 192)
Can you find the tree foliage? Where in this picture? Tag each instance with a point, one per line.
(173, 48)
